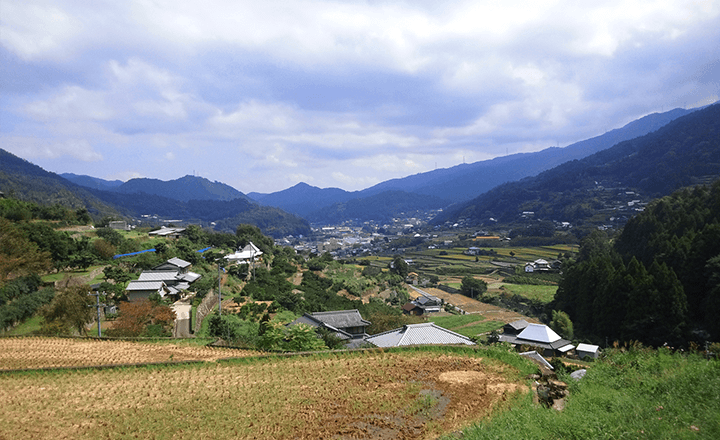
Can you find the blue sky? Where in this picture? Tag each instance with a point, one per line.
(263, 95)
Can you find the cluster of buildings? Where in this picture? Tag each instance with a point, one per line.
(168, 279)
(350, 327)
(544, 340)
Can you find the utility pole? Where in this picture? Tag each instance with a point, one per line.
(219, 291)
(97, 306)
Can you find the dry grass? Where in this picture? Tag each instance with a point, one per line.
(363, 395)
(41, 352)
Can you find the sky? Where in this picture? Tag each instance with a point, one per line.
(262, 95)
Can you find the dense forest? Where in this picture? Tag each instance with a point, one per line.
(658, 282)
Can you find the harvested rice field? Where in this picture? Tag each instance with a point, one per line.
(40, 352)
(369, 394)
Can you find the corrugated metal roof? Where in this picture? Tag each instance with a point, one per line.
(418, 334)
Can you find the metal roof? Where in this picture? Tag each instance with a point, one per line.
(539, 333)
(588, 347)
(418, 334)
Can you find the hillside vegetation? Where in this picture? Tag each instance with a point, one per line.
(684, 152)
(660, 280)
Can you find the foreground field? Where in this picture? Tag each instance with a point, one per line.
(373, 395)
(38, 352)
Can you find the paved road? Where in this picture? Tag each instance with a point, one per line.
(182, 320)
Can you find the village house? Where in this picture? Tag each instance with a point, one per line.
(418, 334)
(164, 231)
(140, 290)
(249, 254)
(538, 336)
(168, 279)
(348, 324)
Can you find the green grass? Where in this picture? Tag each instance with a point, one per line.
(544, 294)
(636, 394)
(26, 328)
(467, 325)
(483, 327)
(455, 321)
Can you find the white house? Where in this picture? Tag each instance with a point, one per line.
(249, 253)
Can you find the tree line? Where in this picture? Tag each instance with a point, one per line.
(658, 282)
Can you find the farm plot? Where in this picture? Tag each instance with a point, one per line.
(37, 352)
(371, 395)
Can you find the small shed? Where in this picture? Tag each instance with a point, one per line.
(587, 350)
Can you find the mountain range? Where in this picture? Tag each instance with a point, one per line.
(467, 186)
(684, 152)
(458, 183)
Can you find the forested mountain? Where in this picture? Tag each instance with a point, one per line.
(455, 184)
(183, 189)
(684, 152)
(303, 199)
(381, 207)
(25, 181)
(466, 181)
(659, 283)
(92, 182)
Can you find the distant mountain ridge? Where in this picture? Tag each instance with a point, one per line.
(466, 181)
(455, 184)
(686, 151)
(91, 182)
(26, 181)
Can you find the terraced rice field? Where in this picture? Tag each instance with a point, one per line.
(38, 352)
(371, 395)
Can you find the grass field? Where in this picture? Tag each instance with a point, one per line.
(404, 394)
(640, 394)
(543, 294)
(467, 325)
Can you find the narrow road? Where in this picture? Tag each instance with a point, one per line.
(182, 320)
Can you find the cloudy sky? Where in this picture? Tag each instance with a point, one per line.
(262, 95)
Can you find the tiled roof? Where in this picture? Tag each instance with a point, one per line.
(341, 318)
(520, 324)
(144, 285)
(158, 275)
(418, 334)
(179, 263)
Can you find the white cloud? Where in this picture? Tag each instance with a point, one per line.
(38, 148)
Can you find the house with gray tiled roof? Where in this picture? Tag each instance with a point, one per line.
(139, 290)
(176, 264)
(418, 334)
(349, 321)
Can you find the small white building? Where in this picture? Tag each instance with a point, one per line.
(248, 254)
(587, 350)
